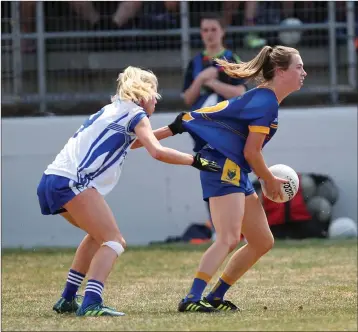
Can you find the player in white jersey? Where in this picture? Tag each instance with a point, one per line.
(87, 168)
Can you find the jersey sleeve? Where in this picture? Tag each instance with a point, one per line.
(262, 120)
(135, 116)
(257, 109)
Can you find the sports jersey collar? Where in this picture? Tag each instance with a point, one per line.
(263, 87)
(217, 55)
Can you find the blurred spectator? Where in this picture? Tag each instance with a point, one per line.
(83, 9)
(205, 84)
(288, 9)
(126, 11)
(159, 13)
(230, 8)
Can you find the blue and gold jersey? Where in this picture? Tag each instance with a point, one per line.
(226, 125)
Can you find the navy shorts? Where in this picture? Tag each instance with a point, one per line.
(54, 191)
(231, 178)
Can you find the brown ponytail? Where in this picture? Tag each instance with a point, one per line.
(262, 66)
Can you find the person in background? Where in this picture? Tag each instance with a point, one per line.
(128, 10)
(84, 9)
(205, 84)
(125, 12)
(252, 40)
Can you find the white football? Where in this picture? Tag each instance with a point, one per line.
(342, 228)
(290, 188)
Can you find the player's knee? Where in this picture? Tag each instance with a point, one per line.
(90, 238)
(235, 240)
(117, 243)
(116, 246)
(231, 241)
(270, 243)
(120, 239)
(265, 245)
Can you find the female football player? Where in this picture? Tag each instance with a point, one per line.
(233, 133)
(87, 168)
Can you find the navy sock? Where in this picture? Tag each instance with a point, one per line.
(93, 293)
(74, 280)
(196, 292)
(220, 289)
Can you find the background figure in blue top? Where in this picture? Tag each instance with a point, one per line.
(233, 134)
(205, 84)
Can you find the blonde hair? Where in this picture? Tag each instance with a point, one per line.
(135, 84)
(262, 67)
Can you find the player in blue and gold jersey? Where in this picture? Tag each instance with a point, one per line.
(233, 133)
(225, 126)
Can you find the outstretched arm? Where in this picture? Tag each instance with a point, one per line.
(167, 155)
(159, 134)
(176, 127)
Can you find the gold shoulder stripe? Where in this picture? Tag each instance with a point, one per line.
(259, 129)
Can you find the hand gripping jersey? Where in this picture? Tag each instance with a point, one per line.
(94, 155)
(225, 126)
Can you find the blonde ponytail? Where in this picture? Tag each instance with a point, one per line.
(262, 66)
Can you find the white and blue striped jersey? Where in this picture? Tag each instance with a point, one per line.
(94, 155)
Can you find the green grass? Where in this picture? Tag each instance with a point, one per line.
(298, 286)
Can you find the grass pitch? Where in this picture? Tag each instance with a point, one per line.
(298, 286)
